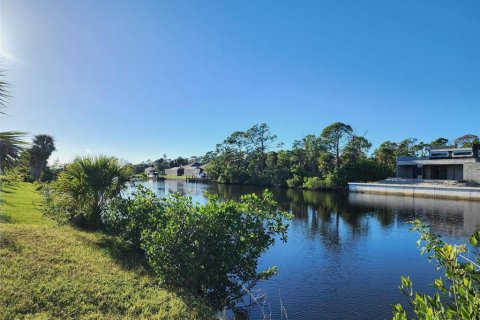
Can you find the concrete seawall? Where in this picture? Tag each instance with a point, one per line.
(440, 192)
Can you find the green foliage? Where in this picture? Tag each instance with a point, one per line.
(458, 293)
(336, 137)
(128, 217)
(466, 140)
(314, 183)
(42, 147)
(11, 146)
(335, 157)
(210, 250)
(84, 188)
(59, 272)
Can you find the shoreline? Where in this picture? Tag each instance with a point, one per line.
(420, 191)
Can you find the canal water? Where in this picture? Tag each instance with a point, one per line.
(345, 252)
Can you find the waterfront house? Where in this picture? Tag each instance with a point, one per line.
(175, 171)
(458, 164)
(151, 173)
(193, 169)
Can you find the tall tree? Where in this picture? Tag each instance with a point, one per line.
(439, 143)
(357, 149)
(336, 137)
(407, 147)
(386, 154)
(11, 142)
(466, 141)
(261, 139)
(42, 147)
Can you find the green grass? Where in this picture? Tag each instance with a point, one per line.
(173, 177)
(49, 271)
(18, 205)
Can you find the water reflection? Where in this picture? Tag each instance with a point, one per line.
(447, 217)
(345, 253)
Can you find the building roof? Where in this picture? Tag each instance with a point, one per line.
(409, 161)
(193, 165)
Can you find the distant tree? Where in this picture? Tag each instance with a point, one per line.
(421, 149)
(386, 154)
(466, 141)
(336, 138)
(260, 139)
(161, 164)
(407, 147)
(356, 149)
(42, 147)
(439, 143)
(178, 162)
(207, 157)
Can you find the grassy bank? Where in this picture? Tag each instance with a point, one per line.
(49, 271)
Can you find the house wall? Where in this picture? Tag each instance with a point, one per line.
(471, 171)
(192, 171)
(174, 172)
(406, 172)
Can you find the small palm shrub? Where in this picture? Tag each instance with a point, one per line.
(83, 189)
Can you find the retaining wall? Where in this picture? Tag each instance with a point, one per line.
(441, 192)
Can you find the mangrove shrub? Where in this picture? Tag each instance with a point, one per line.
(458, 292)
(211, 250)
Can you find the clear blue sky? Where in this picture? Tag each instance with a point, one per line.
(137, 79)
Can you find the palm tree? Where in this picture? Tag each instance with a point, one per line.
(88, 183)
(11, 146)
(11, 143)
(42, 148)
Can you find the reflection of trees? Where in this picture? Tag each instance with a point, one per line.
(327, 213)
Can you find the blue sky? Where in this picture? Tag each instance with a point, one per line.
(137, 79)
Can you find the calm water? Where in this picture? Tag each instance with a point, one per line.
(345, 253)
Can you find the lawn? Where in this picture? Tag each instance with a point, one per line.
(49, 271)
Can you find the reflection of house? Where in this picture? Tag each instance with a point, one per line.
(460, 164)
(193, 169)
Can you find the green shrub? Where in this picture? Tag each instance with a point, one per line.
(128, 217)
(83, 189)
(295, 182)
(458, 297)
(313, 183)
(211, 250)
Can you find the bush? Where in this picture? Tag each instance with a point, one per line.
(84, 188)
(313, 183)
(211, 250)
(295, 182)
(128, 217)
(456, 298)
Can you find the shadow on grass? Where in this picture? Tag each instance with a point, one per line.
(5, 218)
(126, 255)
(10, 244)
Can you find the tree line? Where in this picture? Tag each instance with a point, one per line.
(330, 160)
